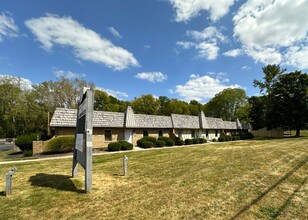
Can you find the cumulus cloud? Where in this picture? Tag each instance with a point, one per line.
(87, 45)
(271, 31)
(8, 27)
(187, 9)
(205, 42)
(203, 88)
(19, 81)
(233, 53)
(114, 32)
(68, 74)
(152, 76)
(116, 94)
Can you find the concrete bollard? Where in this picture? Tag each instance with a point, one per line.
(125, 158)
(8, 181)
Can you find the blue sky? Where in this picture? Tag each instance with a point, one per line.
(185, 49)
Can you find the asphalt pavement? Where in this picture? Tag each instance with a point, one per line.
(6, 146)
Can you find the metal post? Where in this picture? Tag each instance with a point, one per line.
(8, 181)
(125, 158)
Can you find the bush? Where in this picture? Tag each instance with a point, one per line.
(115, 146)
(195, 141)
(24, 142)
(188, 141)
(151, 139)
(202, 140)
(221, 139)
(160, 143)
(235, 138)
(60, 144)
(28, 153)
(214, 140)
(143, 143)
(249, 135)
(228, 138)
(179, 142)
(167, 140)
(246, 135)
(126, 145)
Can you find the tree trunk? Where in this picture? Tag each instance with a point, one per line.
(297, 132)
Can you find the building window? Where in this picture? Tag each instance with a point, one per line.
(145, 133)
(216, 133)
(192, 133)
(179, 133)
(207, 133)
(160, 133)
(108, 135)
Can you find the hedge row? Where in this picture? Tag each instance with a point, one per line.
(149, 142)
(195, 141)
(242, 136)
(63, 144)
(120, 145)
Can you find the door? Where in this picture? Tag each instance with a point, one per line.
(128, 133)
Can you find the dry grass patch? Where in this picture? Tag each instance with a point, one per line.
(245, 180)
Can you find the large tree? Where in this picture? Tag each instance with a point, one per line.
(146, 104)
(228, 105)
(257, 111)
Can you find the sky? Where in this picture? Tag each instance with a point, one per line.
(184, 49)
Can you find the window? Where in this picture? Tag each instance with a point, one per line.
(179, 133)
(207, 133)
(160, 133)
(108, 136)
(145, 133)
(216, 133)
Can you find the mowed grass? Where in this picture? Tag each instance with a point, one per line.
(257, 179)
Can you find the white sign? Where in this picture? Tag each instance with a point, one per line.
(79, 142)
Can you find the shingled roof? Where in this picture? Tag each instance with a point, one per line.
(153, 121)
(185, 121)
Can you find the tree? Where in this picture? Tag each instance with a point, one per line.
(226, 104)
(194, 107)
(289, 102)
(146, 104)
(257, 111)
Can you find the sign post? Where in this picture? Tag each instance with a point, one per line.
(83, 137)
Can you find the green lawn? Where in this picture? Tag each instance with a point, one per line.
(264, 179)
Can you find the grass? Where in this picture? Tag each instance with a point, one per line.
(257, 179)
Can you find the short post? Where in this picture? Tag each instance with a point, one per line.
(125, 158)
(8, 181)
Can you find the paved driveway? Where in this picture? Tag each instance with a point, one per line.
(6, 147)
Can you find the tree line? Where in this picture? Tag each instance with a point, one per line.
(24, 110)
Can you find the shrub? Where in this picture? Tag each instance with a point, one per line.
(28, 153)
(235, 138)
(214, 140)
(221, 139)
(246, 135)
(160, 143)
(179, 142)
(126, 145)
(151, 139)
(195, 141)
(228, 138)
(202, 140)
(115, 146)
(24, 142)
(167, 140)
(143, 143)
(188, 141)
(249, 135)
(60, 144)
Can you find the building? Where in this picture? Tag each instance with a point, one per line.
(113, 126)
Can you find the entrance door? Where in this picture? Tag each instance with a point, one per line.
(128, 133)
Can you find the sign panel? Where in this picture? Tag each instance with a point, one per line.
(83, 137)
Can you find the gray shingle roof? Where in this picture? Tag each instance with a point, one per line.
(153, 121)
(185, 121)
(231, 125)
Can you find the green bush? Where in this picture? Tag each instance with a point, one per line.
(246, 135)
(202, 140)
(167, 140)
(28, 153)
(151, 139)
(236, 138)
(126, 145)
(221, 139)
(143, 143)
(61, 144)
(160, 143)
(115, 146)
(214, 140)
(188, 141)
(228, 138)
(195, 141)
(24, 142)
(249, 135)
(179, 142)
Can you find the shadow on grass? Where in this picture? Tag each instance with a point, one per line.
(256, 200)
(2, 193)
(54, 181)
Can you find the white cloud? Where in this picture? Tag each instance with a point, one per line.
(115, 33)
(87, 45)
(268, 28)
(205, 42)
(8, 27)
(202, 88)
(68, 74)
(297, 56)
(233, 53)
(116, 94)
(152, 76)
(246, 68)
(22, 82)
(187, 9)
